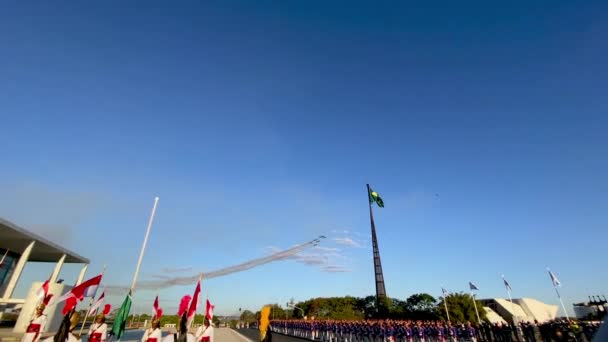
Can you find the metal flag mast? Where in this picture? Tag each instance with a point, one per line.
(143, 249)
(475, 305)
(556, 283)
(86, 316)
(379, 276)
(445, 302)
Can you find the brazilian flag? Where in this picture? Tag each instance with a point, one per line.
(375, 198)
(120, 321)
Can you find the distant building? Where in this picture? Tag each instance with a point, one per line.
(521, 310)
(593, 309)
(18, 247)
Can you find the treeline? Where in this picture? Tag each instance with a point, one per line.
(421, 306)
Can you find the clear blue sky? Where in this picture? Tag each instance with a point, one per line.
(483, 126)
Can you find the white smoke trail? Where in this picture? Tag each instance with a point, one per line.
(174, 281)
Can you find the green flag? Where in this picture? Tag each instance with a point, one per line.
(374, 197)
(118, 328)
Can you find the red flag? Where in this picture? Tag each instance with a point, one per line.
(97, 303)
(209, 311)
(155, 304)
(183, 305)
(194, 303)
(79, 291)
(44, 290)
(70, 304)
(106, 309)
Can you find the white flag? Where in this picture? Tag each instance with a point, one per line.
(97, 303)
(554, 279)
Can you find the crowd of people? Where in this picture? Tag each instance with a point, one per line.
(433, 331)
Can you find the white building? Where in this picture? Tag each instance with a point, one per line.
(587, 309)
(17, 248)
(520, 310)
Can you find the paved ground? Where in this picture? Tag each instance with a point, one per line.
(254, 336)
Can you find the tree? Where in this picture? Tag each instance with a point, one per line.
(421, 306)
(461, 308)
(247, 316)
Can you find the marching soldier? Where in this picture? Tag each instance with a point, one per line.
(36, 325)
(98, 330)
(154, 334)
(182, 334)
(70, 320)
(205, 332)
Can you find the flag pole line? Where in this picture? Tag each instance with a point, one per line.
(143, 247)
(445, 303)
(562, 302)
(86, 316)
(475, 305)
(127, 303)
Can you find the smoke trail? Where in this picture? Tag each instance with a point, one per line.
(169, 282)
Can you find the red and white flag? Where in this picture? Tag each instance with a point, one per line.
(44, 290)
(209, 311)
(97, 304)
(194, 303)
(155, 305)
(82, 290)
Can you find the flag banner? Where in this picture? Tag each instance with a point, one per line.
(507, 285)
(79, 291)
(155, 306)
(374, 197)
(91, 291)
(472, 286)
(209, 311)
(445, 292)
(554, 279)
(194, 303)
(120, 321)
(44, 290)
(70, 304)
(97, 304)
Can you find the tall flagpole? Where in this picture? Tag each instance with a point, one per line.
(475, 305)
(562, 302)
(143, 247)
(91, 304)
(510, 299)
(445, 303)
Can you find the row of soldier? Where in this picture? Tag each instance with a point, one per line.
(377, 330)
(434, 331)
(98, 331)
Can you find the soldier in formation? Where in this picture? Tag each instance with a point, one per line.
(433, 331)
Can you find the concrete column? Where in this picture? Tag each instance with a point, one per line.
(82, 273)
(57, 269)
(18, 270)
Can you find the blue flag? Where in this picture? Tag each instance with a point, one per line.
(473, 286)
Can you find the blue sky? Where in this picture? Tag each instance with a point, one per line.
(259, 123)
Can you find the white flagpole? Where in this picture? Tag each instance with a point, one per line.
(475, 305)
(445, 303)
(91, 303)
(143, 247)
(562, 302)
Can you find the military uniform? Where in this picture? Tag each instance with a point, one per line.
(205, 334)
(98, 330)
(36, 326)
(64, 334)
